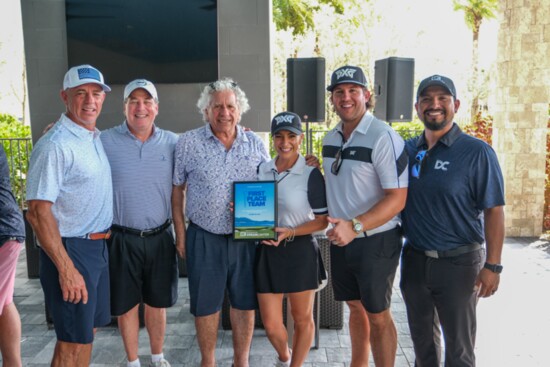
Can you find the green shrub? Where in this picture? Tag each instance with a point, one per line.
(15, 138)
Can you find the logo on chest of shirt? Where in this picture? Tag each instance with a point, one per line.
(439, 164)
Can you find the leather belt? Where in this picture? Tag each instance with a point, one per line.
(97, 236)
(144, 233)
(449, 253)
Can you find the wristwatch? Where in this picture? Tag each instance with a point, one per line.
(495, 268)
(357, 226)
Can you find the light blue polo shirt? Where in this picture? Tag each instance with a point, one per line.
(69, 168)
(142, 176)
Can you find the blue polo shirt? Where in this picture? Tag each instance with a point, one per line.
(459, 178)
(69, 168)
(142, 176)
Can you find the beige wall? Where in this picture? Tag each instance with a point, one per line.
(523, 97)
(243, 52)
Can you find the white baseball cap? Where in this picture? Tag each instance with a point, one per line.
(84, 74)
(141, 83)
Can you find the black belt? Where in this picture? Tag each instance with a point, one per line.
(144, 233)
(449, 253)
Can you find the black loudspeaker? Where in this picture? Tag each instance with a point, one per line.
(305, 88)
(393, 86)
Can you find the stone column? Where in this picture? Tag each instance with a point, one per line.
(521, 116)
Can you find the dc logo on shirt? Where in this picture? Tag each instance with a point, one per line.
(441, 165)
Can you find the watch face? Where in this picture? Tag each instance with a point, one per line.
(357, 227)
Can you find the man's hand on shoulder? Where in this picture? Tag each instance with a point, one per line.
(313, 161)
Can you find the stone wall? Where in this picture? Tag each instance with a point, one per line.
(521, 116)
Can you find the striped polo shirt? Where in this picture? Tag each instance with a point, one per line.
(374, 159)
(142, 176)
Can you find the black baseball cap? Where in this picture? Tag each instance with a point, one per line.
(347, 74)
(437, 80)
(286, 121)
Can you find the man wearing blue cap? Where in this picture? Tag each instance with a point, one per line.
(142, 253)
(70, 199)
(365, 167)
(454, 205)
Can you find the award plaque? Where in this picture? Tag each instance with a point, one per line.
(254, 210)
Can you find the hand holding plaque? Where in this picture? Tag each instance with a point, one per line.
(254, 210)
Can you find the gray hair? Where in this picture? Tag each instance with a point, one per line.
(220, 85)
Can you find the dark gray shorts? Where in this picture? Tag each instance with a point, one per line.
(365, 269)
(142, 269)
(75, 323)
(216, 263)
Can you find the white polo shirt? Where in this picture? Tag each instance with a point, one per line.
(374, 159)
(300, 192)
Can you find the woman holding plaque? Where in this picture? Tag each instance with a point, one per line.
(292, 264)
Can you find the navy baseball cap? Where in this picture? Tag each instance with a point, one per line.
(286, 121)
(437, 80)
(347, 74)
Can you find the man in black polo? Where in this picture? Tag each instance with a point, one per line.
(454, 205)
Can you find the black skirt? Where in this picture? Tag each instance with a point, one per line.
(291, 267)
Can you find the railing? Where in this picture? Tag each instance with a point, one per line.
(18, 151)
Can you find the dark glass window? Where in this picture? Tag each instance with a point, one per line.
(165, 41)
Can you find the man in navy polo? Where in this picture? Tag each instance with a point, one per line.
(454, 213)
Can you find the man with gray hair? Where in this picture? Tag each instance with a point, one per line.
(142, 255)
(70, 199)
(207, 161)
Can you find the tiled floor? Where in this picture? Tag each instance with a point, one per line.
(513, 326)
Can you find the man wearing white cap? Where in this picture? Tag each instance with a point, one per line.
(70, 199)
(142, 253)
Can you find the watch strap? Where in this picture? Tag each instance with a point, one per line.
(495, 268)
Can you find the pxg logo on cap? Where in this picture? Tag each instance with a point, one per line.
(436, 80)
(84, 74)
(347, 74)
(286, 121)
(141, 83)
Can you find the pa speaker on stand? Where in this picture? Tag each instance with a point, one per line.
(305, 91)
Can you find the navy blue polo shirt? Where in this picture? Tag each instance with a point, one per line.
(459, 178)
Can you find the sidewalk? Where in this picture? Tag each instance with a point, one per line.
(513, 326)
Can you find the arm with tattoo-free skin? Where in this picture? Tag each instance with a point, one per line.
(178, 205)
(40, 216)
(487, 282)
(388, 207)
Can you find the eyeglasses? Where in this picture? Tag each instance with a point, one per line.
(213, 85)
(417, 167)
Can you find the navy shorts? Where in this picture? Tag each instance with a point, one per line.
(142, 269)
(365, 269)
(216, 263)
(74, 323)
